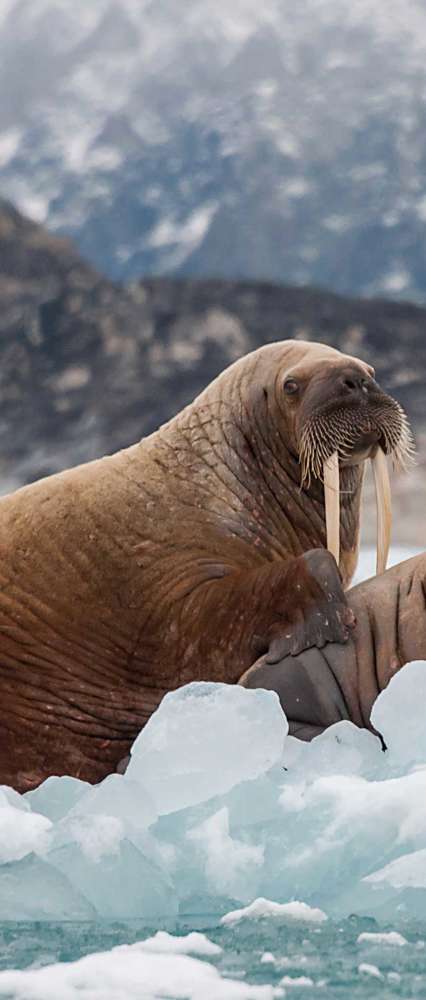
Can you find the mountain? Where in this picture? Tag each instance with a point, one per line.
(278, 141)
(88, 366)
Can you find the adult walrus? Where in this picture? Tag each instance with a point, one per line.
(319, 687)
(186, 556)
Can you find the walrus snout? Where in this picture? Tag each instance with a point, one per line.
(365, 448)
(355, 385)
(346, 420)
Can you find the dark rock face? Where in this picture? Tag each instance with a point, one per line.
(70, 341)
(87, 367)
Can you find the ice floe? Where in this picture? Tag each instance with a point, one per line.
(392, 938)
(130, 972)
(221, 813)
(261, 908)
(365, 969)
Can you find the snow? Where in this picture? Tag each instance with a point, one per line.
(265, 908)
(35, 206)
(182, 236)
(9, 143)
(395, 281)
(242, 76)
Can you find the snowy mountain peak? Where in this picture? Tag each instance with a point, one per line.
(281, 142)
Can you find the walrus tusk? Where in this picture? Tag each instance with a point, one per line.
(384, 508)
(332, 504)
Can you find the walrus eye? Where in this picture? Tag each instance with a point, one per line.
(291, 386)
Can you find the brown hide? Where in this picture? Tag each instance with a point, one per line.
(177, 559)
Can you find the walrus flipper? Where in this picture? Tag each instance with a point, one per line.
(308, 691)
(327, 619)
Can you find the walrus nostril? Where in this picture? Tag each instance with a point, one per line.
(355, 384)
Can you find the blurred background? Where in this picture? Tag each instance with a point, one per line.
(182, 182)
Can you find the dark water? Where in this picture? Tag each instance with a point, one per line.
(329, 955)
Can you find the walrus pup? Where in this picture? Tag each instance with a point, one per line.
(186, 556)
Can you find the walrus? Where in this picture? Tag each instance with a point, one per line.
(187, 556)
(319, 687)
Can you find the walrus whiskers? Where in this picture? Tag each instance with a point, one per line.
(330, 438)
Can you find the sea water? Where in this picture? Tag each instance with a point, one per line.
(231, 860)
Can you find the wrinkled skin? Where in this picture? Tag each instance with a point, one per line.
(180, 558)
(322, 686)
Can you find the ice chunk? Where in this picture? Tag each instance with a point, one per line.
(301, 982)
(397, 717)
(190, 944)
(33, 890)
(370, 970)
(350, 820)
(407, 871)
(127, 971)
(203, 740)
(21, 832)
(96, 836)
(266, 908)
(392, 938)
(399, 886)
(56, 796)
(112, 874)
(252, 821)
(230, 865)
(344, 749)
(125, 800)
(8, 797)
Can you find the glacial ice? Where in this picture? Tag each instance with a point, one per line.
(406, 743)
(56, 796)
(21, 831)
(222, 813)
(203, 740)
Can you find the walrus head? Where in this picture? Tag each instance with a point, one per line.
(337, 417)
